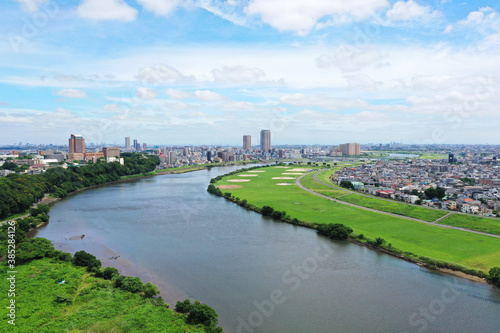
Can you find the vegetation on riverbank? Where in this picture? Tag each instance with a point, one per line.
(19, 192)
(55, 291)
(455, 249)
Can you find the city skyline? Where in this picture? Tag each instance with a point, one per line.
(418, 71)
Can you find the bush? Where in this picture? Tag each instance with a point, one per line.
(183, 307)
(494, 275)
(150, 290)
(202, 314)
(88, 260)
(335, 231)
(267, 211)
(108, 273)
(129, 283)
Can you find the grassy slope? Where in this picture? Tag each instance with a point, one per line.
(395, 207)
(96, 307)
(476, 251)
(483, 224)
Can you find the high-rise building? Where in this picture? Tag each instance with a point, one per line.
(247, 142)
(76, 147)
(127, 142)
(144, 146)
(350, 149)
(137, 145)
(265, 140)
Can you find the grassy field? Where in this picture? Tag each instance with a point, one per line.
(471, 250)
(491, 226)
(95, 305)
(433, 156)
(395, 207)
(418, 212)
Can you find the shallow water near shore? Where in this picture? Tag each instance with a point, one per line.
(260, 275)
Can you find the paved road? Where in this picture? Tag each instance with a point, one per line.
(384, 213)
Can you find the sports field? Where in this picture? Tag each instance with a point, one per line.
(471, 250)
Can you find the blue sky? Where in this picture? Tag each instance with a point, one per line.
(208, 72)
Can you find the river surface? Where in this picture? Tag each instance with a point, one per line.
(260, 275)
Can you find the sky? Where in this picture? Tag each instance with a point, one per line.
(172, 72)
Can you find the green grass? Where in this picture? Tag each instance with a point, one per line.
(96, 306)
(489, 225)
(394, 207)
(152, 173)
(403, 209)
(471, 250)
(433, 156)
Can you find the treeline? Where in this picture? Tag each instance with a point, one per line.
(19, 192)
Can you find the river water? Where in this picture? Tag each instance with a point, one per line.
(260, 275)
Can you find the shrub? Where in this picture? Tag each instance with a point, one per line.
(267, 211)
(335, 231)
(88, 260)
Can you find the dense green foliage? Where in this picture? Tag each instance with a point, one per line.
(54, 294)
(437, 192)
(19, 192)
(84, 303)
(199, 314)
(335, 231)
(88, 260)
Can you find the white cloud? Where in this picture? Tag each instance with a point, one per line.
(106, 10)
(207, 95)
(203, 95)
(146, 93)
(363, 82)
(410, 10)
(72, 93)
(238, 74)
(31, 5)
(486, 22)
(160, 7)
(179, 94)
(434, 82)
(160, 74)
(302, 16)
(480, 17)
(349, 58)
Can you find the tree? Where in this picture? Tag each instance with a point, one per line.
(150, 290)
(183, 307)
(440, 192)
(129, 283)
(347, 184)
(495, 275)
(430, 193)
(108, 273)
(88, 260)
(335, 231)
(202, 314)
(415, 192)
(267, 210)
(9, 166)
(379, 241)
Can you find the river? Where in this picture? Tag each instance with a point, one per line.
(260, 275)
